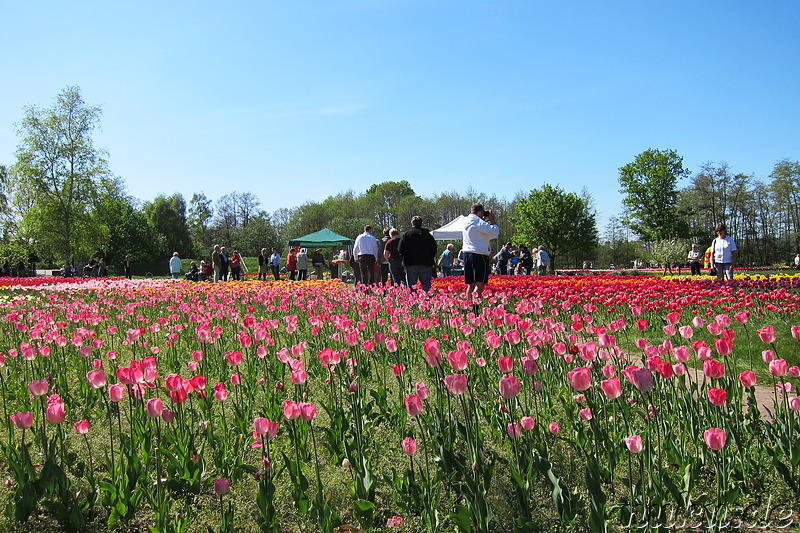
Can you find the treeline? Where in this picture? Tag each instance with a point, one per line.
(60, 201)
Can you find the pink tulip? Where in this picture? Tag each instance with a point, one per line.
(724, 346)
(641, 324)
(413, 404)
(714, 328)
(681, 353)
(580, 378)
(220, 392)
(795, 332)
(609, 371)
(713, 369)
(168, 416)
(768, 356)
(173, 382)
(82, 427)
(794, 403)
(509, 386)
(666, 370)
(717, 396)
(641, 378)
(505, 364)
(715, 438)
(611, 388)
(742, 317)
(456, 384)
(308, 411)
(529, 366)
(679, 369)
(794, 371)
(697, 322)
(116, 392)
(291, 410)
(55, 412)
(634, 443)
(409, 446)
(723, 320)
(513, 429)
(748, 378)
(221, 486)
(433, 353)
(586, 414)
(458, 360)
(527, 423)
(767, 334)
(22, 420)
(686, 332)
(38, 387)
(669, 330)
(422, 390)
(554, 428)
(155, 406)
(560, 348)
(96, 378)
(778, 367)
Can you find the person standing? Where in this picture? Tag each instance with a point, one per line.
(525, 259)
(543, 260)
(479, 229)
(797, 261)
(302, 264)
(127, 265)
(225, 261)
(236, 266)
(263, 265)
(101, 268)
(417, 248)
(275, 264)
(723, 253)
(446, 261)
(393, 257)
(216, 260)
(503, 257)
(175, 266)
(291, 263)
(365, 251)
(318, 261)
(384, 263)
(694, 260)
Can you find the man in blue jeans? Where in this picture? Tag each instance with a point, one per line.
(418, 251)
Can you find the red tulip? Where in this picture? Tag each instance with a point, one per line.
(717, 396)
(715, 438)
(748, 378)
(713, 369)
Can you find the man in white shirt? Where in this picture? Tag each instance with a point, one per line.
(723, 253)
(543, 260)
(479, 229)
(365, 251)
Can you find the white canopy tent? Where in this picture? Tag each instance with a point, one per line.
(452, 231)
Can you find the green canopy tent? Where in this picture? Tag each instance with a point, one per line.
(323, 238)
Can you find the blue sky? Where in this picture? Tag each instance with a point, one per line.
(296, 101)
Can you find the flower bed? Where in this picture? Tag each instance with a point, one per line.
(569, 403)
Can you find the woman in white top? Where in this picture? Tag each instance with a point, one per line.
(723, 253)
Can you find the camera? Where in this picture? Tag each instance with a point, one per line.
(487, 213)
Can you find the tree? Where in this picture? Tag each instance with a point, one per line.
(785, 188)
(198, 219)
(561, 222)
(59, 169)
(166, 215)
(650, 186)
(668, 251)
(386, 202)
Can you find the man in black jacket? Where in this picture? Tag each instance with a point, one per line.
(418, 251)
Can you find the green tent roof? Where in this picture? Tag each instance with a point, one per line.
(321, 238)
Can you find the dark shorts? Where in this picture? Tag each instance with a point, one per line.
(476, 268)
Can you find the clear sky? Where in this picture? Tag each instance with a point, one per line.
(298, 100)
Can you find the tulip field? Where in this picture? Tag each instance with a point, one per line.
(596, 403)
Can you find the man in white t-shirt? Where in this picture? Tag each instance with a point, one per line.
(479, 229)
(723, 253)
